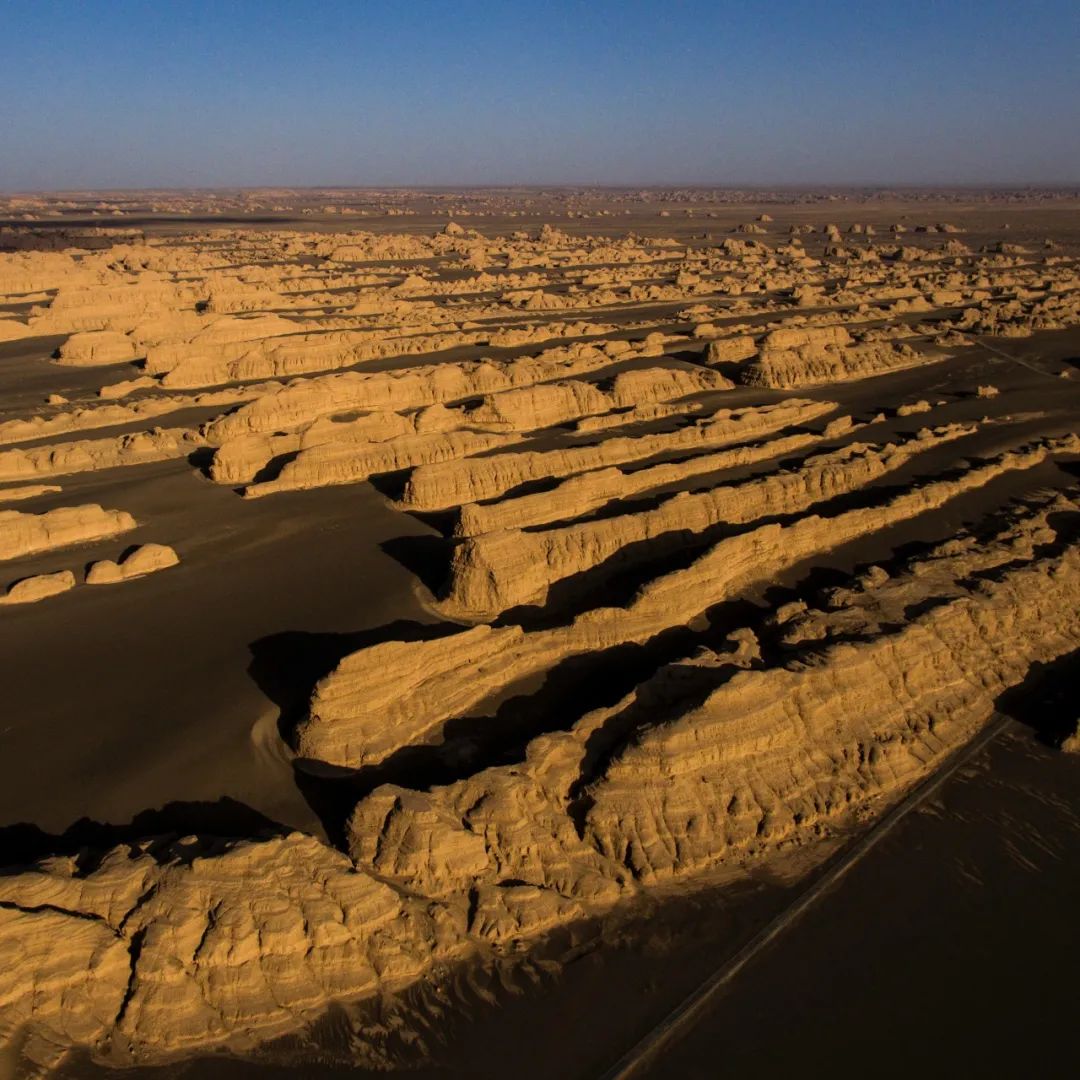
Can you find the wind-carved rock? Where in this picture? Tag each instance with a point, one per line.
(436, 487)
(390, 695)
(27, 534)
(500, 570)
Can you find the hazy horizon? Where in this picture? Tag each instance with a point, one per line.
(132, 96)
(840, 187)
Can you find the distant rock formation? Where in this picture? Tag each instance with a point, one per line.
(90, 454)
(28, 491)
(650, 460)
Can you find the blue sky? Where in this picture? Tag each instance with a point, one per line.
(175, 93)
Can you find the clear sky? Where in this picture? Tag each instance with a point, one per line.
(138, 93)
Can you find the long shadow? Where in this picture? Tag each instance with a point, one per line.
(287, 665)
(201, 459)
(689, 686)
(644, 501)
(684, 687)
(818, 581)
(391, 485)
(272, 469)
(615, 581)
(442, 521)
(215, 824)
(1046, 700)
(426, 557)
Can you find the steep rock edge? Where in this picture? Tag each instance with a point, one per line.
(436, 487)
(585, 492)
(393, 694)
(497, 571)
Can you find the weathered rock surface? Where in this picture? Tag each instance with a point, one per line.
(807, 365)
(334, 454)
(161, 947)
(176, 948)
(27, 491)
(96, 347)
(500, 570)
(587, 491)
(112, 415)
(146, 559)
(436, 487)
(801, 746)
(396, 693)
(86, 455)
(39, 587)
(563, 393)
(704, 762)
(348, 463)
(731, 350)
(304, 401)
(26, 534)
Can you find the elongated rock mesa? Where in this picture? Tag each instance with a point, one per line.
(27, 534)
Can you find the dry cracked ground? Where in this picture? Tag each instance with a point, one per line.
(404, 600)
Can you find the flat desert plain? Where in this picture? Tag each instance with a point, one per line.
(536, 632)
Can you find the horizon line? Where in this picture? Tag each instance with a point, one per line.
(566, 185)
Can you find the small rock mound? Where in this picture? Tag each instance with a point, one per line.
(32, 589)
(144, 560)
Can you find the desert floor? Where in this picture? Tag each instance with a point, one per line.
(552, 588)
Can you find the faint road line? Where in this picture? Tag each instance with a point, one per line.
(1015, 359)
(684, 1014)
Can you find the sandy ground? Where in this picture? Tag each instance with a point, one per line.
(167, 707)
(192, 672)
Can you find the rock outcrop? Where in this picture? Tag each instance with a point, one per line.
(27, 534)
(688, 671)
(146, 559)
(302, 402)
(158, 948)
(27, 491)
(588, 491)
(174, 948)
(436, 487)
(500, 570)
(395, 694)
(706, 762)
(808, 365)
(86, 455)
(94, 348)
(39, 587)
